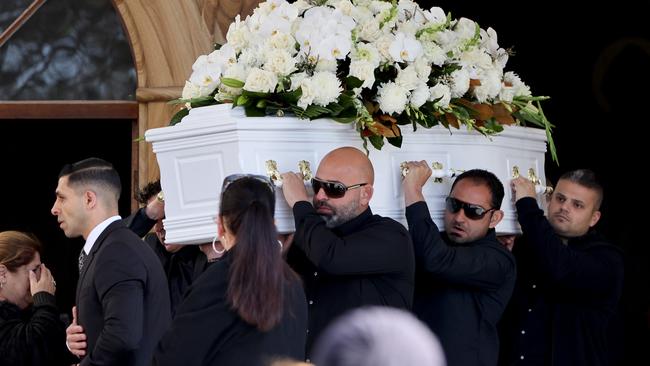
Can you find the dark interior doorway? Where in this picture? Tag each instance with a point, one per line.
(33, 152)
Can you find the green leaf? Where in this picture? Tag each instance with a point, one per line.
(335, 108)
(253, 111)
(344, 119)
(242, 100)
(395, 141)
(352, 82)
(178, 116)
(233, 83)
(376, 141)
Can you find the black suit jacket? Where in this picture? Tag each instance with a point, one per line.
(122, 299)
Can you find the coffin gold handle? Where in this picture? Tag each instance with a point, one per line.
(437, 171)
(303, 166)
(273, 173)
(515, 172)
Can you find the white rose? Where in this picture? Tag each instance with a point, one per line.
(433, 53)
(261, 81)
(441, 91)
(363, 70)
(238, 34)
(328, 86)
(283, 41)
(279, 62)
(420, 95)
(368, 29)
(326, 65)
(423, 68)
(407, 78)
(392, 98)
(512, 86)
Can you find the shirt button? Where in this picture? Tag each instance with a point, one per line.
(534, 286)
(311, 302)
(307, 330)
(523, 332)
(315, 274)
(521, 357)
(530, 310)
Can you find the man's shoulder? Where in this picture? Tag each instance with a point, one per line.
(388, 223)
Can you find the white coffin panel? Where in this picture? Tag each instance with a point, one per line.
(212, 142)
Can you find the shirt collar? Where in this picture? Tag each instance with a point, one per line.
(96, 231)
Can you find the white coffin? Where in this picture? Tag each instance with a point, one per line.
(212, 142)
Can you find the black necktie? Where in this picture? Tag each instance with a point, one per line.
(82, 258)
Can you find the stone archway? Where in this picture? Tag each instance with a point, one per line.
(166, 37)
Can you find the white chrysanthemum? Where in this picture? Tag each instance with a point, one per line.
(405, 48)
(363, 70)
(261, 81)
(459, 83)
(296, 80)
(392, 98)
(512, 86)
(448, 41)
(490, 86)
(279, 62)
(420, 95)
(345, 6)
(366, 52)
(407, 78)
(442, 92)
(433, 53)
(328, 86)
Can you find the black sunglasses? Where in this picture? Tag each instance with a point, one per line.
(472, 211)
(235, 177)
(332, 189)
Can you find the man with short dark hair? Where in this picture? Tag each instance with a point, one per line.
(122, 296)
(464, 277)
(570, 278)
(347, 256)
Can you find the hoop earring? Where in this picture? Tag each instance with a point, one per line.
(214, 247)
(281, 246)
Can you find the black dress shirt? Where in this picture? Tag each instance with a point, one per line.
(565, 297)
(206, 331)
(366, 261)
(461, 290)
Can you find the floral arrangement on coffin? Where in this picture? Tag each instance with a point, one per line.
(378, 64)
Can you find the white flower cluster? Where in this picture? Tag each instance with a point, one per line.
(269, 50)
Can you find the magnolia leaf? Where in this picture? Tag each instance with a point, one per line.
(502, 114)
(376, 141)
(233, 83)
(452, 120)
(335, 109)
(178, 116)
(395, 141)
(291, 97)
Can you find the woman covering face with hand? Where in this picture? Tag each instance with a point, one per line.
(31, 332)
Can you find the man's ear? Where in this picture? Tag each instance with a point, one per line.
(90, 199)
(495, 219)
(366, 194)
(594, 218)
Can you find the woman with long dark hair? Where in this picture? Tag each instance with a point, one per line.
(248, 308)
